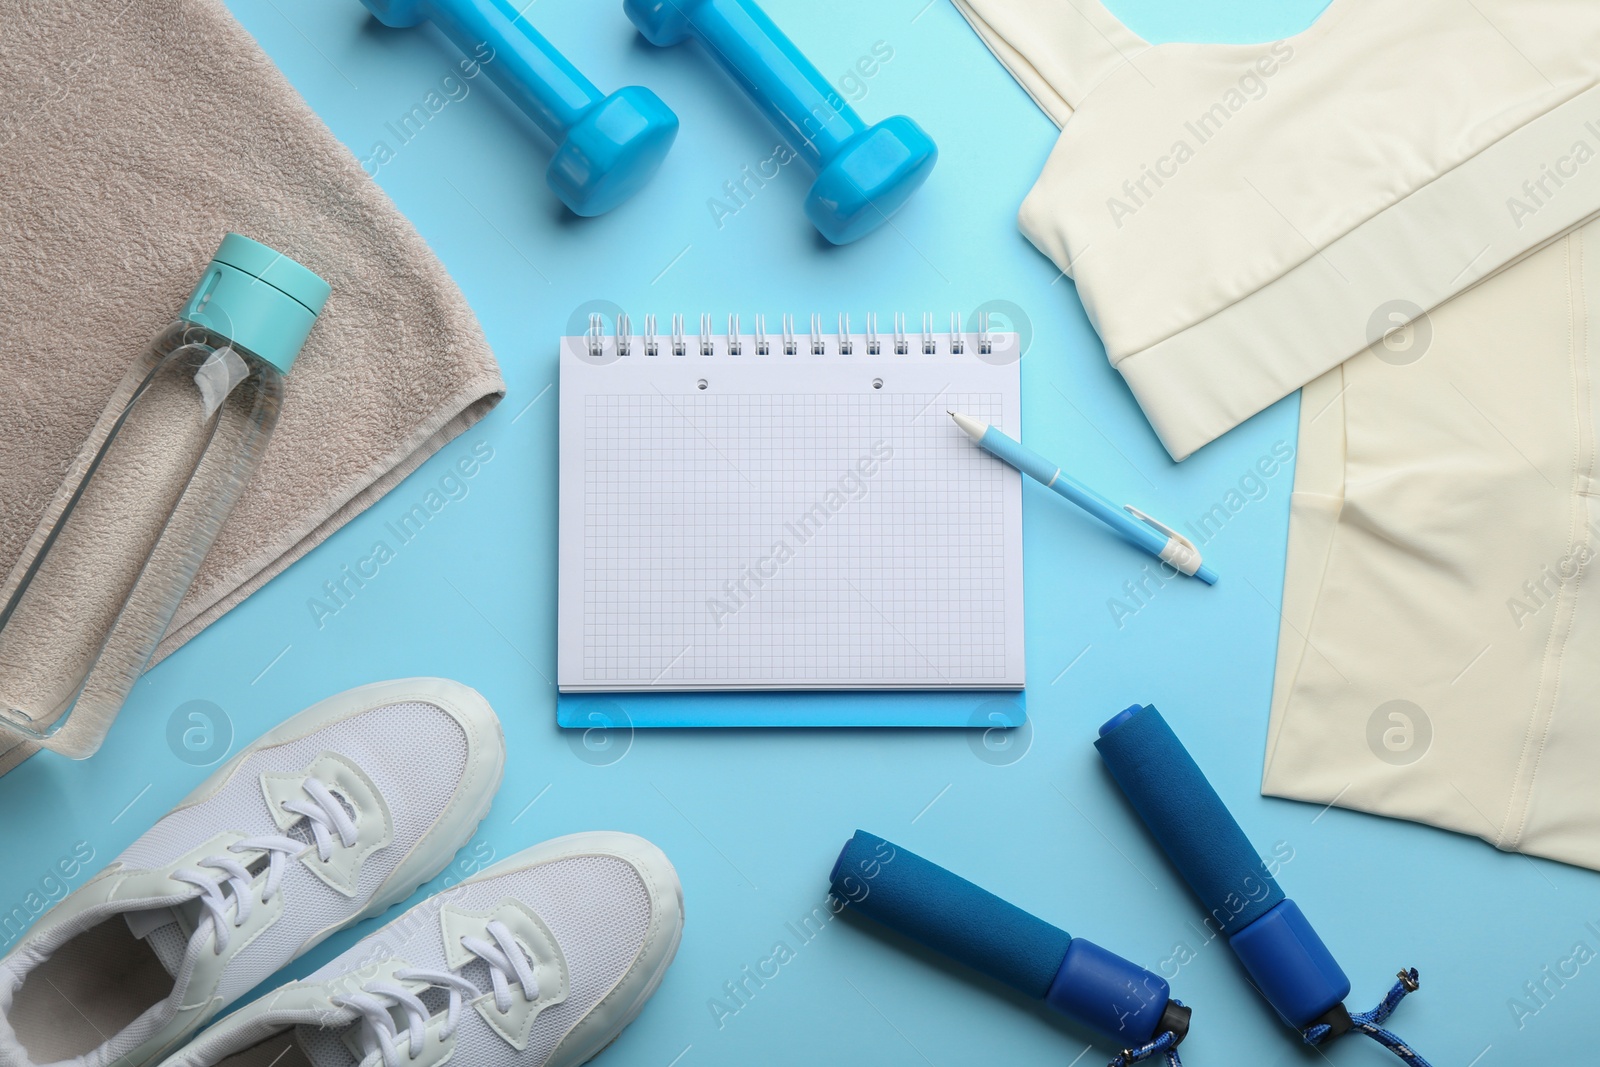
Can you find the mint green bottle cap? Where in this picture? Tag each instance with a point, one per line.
(259, 299)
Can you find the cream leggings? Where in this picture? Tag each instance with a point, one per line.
(1439, 657)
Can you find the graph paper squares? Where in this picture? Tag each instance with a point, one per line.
(791, 540)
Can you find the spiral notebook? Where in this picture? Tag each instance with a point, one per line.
(786, 516)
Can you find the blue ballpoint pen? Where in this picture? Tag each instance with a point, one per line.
(1137, 528)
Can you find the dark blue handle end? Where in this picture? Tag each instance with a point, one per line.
(1118, 999)
(1291, 966)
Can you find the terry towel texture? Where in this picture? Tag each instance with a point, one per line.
(136, 135)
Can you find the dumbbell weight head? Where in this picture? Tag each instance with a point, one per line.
(865, 174)
(607, 147)
(661, 21)
(613, 151)
(875, 173)
(399, 14)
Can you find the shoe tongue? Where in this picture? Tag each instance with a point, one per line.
(477, 972)
(168, 932)
(301, 830)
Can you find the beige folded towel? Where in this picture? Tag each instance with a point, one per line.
(135, 134)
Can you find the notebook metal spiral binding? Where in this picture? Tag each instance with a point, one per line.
(733, 342)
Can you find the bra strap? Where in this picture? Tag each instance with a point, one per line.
(1058, 50)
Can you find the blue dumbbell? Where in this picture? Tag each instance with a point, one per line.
(607, 147)
(865, 173)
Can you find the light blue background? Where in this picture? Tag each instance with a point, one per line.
(754, 819)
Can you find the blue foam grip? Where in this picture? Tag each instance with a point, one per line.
(1188, 819)
(1120, 1000)
(1291, 966)
(949, 914)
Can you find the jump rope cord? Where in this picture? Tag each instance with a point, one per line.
(1165, 1044)
(1371, 1022)
(1366, 1022)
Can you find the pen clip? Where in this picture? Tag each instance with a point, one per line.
(1183, 555)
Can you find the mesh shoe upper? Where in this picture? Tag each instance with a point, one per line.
(601, 914)
(416, 780)
(366, 795)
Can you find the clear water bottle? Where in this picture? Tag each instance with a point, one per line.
(100, 580)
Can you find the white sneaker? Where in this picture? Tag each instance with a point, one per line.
(337, 814)
(539, 961)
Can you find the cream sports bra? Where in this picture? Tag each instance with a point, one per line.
(1241, 219)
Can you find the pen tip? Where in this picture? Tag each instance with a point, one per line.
(972, 427)
(950, 413)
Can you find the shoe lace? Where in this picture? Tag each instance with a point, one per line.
(505, 958)
(324, 814)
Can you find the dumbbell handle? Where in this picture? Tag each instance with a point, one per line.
(934, 907)
(1290, 964)
(785, 85)
(526, 66)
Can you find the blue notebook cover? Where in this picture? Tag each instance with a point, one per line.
(960, 709)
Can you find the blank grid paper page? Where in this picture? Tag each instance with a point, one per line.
(789, 530)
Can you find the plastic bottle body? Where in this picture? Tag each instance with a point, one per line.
(101, 579)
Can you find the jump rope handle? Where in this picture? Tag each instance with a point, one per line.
(1288, 962)
(1121, 1001)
